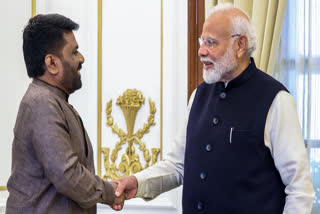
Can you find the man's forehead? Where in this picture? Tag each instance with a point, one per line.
(70, 39)
(216, 26)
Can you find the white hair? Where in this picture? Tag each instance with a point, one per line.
(240, 25)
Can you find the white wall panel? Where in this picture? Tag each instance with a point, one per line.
(131, 59)
(14, 14)
(84, 13)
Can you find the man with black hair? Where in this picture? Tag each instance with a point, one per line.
(52, 157)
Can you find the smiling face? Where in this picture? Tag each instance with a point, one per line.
(217, 55)
(221, 69)
(71, 60)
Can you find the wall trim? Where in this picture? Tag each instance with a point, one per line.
(33, 13)
(33, 8)
(99, 86)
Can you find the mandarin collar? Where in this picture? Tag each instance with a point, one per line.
(241, 79)
(244, 76)
(60, 93)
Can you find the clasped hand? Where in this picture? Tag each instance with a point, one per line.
(118, 200)
(125, 189)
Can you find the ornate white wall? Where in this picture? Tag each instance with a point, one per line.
(131, 59)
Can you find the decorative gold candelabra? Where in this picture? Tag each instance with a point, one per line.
(130, 103)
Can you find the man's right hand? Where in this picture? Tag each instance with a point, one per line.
(119, 200)
(128, 186)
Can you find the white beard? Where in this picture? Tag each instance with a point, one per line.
(223, 68)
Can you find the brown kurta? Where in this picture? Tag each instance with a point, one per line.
(52, 158)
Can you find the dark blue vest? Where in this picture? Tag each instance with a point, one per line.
(228, 169)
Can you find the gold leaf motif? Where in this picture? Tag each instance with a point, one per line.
(130, 103)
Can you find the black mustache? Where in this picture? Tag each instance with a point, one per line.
(79, 67)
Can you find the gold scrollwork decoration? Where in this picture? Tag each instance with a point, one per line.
(130, 103)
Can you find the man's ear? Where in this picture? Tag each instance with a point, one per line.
(242, 45)
(52, 64)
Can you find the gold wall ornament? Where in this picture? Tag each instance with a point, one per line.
(130, 103)
(99, 84)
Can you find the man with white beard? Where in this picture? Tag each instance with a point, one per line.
(241, 150)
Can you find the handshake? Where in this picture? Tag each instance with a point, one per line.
(124, 189)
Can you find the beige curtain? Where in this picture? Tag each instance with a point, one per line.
(267, 16)
(298, 68)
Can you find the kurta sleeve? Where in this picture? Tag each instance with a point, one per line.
(166, 174)
(52, 145)
(284, 138)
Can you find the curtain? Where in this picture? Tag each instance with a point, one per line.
(267, 16)
(298, 67)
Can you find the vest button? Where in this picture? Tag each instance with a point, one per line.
(215, 121)
(208, 147)
(203, 175)
(200, 205)
(223, 95)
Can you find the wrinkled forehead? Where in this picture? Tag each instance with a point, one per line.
(217, 26)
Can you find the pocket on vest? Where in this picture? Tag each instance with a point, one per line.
(246, 144)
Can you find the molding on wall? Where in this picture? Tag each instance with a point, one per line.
(34, 8)
(99, 87)
(33, 13)
(161, 82)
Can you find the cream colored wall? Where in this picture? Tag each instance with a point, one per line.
(131, 59)
(14, 80)
(15, 14)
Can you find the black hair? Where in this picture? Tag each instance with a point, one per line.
(44, 35)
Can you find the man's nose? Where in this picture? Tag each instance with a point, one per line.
(203, 51)
(81, 58)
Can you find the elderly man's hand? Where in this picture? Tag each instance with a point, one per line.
(119, 199)
(127, 186)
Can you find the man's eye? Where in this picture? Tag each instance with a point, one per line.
(75, 53)
(211, 42)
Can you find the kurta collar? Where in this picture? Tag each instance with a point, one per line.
(244, 76)
(239, 80)
(53, 89)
